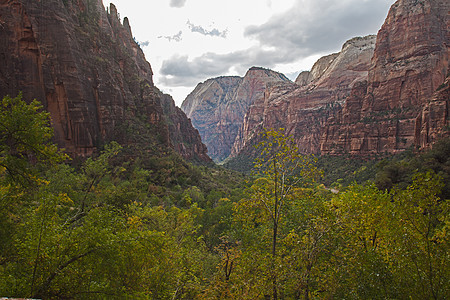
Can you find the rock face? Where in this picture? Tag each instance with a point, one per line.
(184, 137)
(433, 121)
(305, 107)
(83, 64)
(217, 107)
(367, 100)
(396, 107)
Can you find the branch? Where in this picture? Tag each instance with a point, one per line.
(52, 276)
(268, 208)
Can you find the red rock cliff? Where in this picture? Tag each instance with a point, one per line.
(304, 108)
(367, 99)
(410, 62)
(83, 64)
(217, 107)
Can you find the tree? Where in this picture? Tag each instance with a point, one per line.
(419, 238)
(25, 149)
(25, 141)
(280, 170)
(359, 263)
(305, 248)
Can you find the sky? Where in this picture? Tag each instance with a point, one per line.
(190, 41)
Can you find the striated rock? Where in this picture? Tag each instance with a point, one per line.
(411, 60)
(304, 108)
(321, 65)
(304, 78)
(367, 101)
(433, 122)
(213, 112)
(83, 64)
(217, 107)
(185, 138)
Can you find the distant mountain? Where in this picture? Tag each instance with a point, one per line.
(217, 107)
(379, 95)
(83, 64)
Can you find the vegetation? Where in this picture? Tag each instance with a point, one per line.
(157, 227)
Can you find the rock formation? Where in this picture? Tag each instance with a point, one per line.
(366, 101)
(305, 107)
(83, 64)
(379, 95)
(217, 107)
(393, 110)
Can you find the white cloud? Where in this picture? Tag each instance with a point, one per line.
(177, 3)
(201, 30)
(284, 35)
(176, 37)
(313, 26)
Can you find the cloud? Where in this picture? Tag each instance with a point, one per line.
(201, 30)
(177, 3)
(177, 37)
(313, 26)
(310, 27)
(179, 70)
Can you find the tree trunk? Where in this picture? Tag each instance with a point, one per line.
(274, 239)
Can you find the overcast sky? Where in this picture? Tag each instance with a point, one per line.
(189, 41)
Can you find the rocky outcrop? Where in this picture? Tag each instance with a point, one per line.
(321, 65)
(395, 109)
(213, 111)
(184, 137)
(217, 107)
(83, 64)
(432, 123)
(304, 108)
(367, 100)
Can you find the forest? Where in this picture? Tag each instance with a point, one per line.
(140, 223)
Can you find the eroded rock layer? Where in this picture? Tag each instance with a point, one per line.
(393, 110)
(304, 108)
(217, 107)
(83, 64)
(371, 98)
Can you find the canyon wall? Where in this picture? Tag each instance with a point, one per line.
(393, 109)
(83, 64)
(304, 108)
(379, 95)
(217, 107)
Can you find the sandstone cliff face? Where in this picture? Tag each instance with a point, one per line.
(184, 137)
(217, 107)
(366, 101)
(213, 112)
(411, 61)
(433, 121)
(305, 107)
(83, 64)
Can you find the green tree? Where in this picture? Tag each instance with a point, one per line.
(419, 227)
(25, 141)
(305, 249)
(25, 150)
(280, 169)
(359, 266)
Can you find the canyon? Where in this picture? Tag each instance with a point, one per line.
(83, 64)
(379, 95)
(217, 107)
